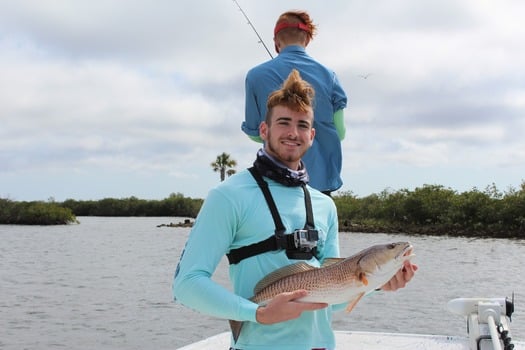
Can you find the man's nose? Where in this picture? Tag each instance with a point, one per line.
(292, 131)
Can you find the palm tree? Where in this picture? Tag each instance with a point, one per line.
(224, 164)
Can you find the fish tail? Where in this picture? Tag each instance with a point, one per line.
(236, 327)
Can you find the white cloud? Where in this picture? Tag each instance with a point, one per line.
(143, 97)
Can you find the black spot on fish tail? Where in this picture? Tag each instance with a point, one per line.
(236, 327)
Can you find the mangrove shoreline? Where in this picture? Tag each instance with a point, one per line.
(427, 210)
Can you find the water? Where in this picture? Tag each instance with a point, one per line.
(106, 284)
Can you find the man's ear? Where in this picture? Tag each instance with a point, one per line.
(275, 43)
(263, 130)
(312, 137)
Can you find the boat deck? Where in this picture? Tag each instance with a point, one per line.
(367, 340)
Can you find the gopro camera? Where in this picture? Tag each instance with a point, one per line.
(305, 240)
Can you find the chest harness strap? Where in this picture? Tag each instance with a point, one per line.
(301, 244)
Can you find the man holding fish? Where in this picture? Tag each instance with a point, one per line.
(281, 239)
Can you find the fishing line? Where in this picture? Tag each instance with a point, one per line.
(251, 25)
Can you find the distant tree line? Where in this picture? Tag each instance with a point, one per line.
(55, 213)
(34, 213)
(430, 209)
(175, 205)
(434, 209)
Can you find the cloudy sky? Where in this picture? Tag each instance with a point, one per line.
(107, 98)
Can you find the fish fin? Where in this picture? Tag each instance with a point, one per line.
(331, 261)
(362, 278)
(236, 327)
(354, 302)
(281, 273)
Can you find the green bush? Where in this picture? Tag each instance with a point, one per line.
(436, 210)
(34, 213)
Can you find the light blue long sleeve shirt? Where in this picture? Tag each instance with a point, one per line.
(235, 214)
(324, 159)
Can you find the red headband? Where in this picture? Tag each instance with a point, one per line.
(284, 25)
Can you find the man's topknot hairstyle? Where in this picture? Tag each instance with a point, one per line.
(295, 93)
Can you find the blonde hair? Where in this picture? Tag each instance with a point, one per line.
(295, 93)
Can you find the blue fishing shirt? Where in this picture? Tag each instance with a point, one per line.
(324, 159)
(235, 214)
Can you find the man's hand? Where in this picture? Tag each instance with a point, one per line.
(283, 307)
(401, 278)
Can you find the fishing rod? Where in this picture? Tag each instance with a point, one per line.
(251, 25)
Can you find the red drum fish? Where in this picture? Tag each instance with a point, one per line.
(337, 281)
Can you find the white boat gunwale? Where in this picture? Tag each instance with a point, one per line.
(483, 316)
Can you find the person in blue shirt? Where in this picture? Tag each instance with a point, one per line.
(246, 216)
(293, 32)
